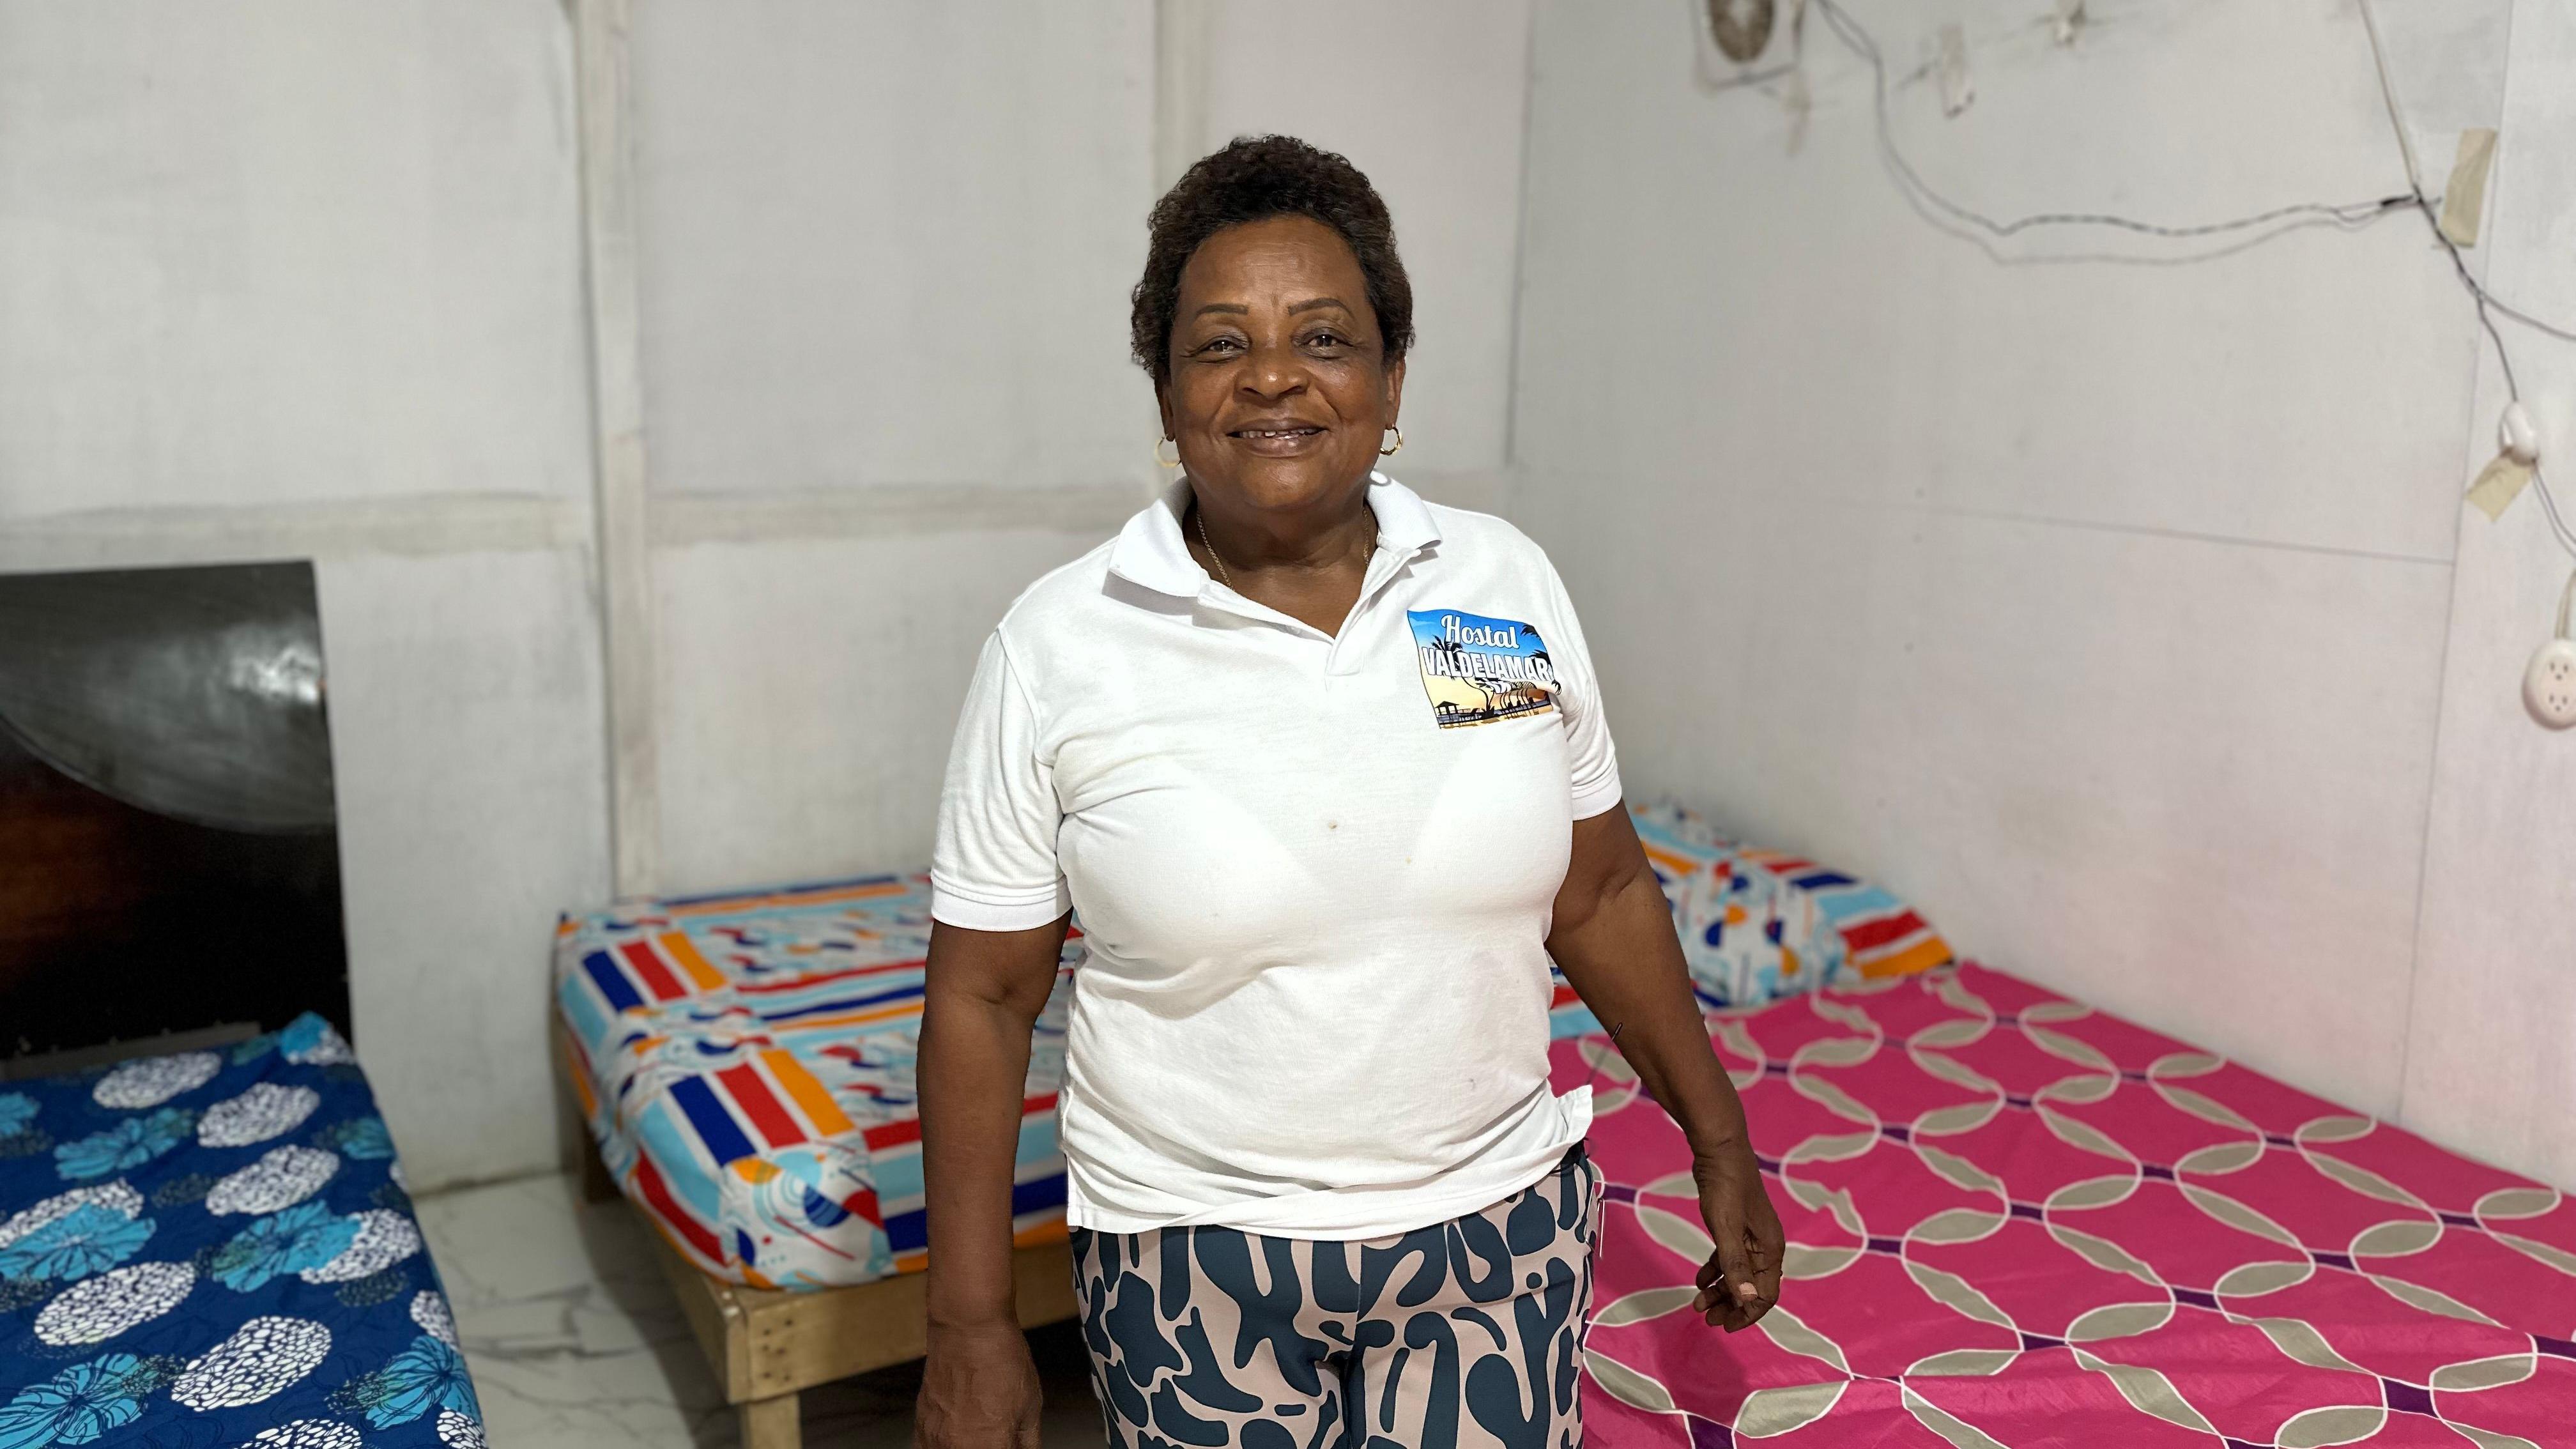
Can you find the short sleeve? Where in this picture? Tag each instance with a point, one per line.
(994, 868)
(1593, 761)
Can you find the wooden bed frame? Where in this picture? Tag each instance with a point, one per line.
(766, 1347)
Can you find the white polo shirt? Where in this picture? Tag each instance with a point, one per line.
(1315, 872)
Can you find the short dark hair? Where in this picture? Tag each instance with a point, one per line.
(1251, 179)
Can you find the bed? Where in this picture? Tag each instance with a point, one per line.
(214, 1248)
(2017, 1221)
(745, 1065)
(2014, 1220)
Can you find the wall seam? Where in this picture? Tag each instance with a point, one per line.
(1511, 479)
(2450, 610)
(602, 61)
(1180, 89)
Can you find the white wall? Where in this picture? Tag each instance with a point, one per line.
(891, 243)
(263, 254)
(884, 260)
(301, 281)
(2102, 607)
(810, 689)
(465, 740)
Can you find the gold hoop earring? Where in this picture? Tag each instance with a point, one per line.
(1173, 461)
(1399, 441)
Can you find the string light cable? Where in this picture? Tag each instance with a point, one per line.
(2346, 215)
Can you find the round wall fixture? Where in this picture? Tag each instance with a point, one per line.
(1741, 27)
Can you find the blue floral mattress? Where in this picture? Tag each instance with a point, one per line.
(214, 1249)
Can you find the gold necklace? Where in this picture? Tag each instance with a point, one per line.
(1200, 515)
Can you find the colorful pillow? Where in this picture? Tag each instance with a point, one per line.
(1758, 925)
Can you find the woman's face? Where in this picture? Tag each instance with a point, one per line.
(1279, 390)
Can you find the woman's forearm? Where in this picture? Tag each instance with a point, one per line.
(1626, 964)
(983, 994)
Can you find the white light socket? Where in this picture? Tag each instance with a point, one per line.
(2549, 688)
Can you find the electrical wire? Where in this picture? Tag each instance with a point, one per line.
(2424, 204)
(2485, 301)
(1862, 43)
(2354, 214)
(2388, 97)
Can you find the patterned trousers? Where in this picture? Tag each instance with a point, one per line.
(1455, 1336)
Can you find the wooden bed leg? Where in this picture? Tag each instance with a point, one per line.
(771, 1423)
(596, 1183)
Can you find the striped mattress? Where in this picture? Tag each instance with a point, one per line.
(745, 1063)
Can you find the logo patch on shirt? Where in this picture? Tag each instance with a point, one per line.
(1478, 670)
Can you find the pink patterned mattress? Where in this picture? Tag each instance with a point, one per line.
(2014, 1220)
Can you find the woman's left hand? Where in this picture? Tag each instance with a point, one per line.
(1741, 1280)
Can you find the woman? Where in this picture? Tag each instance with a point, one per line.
(1324, 770)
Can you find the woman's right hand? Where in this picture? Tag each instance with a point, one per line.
(979, 1390)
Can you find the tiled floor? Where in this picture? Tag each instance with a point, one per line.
(576, 1341)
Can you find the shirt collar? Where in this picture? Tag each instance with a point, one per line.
(1151, 552)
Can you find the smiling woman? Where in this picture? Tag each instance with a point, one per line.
(1324, 769)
